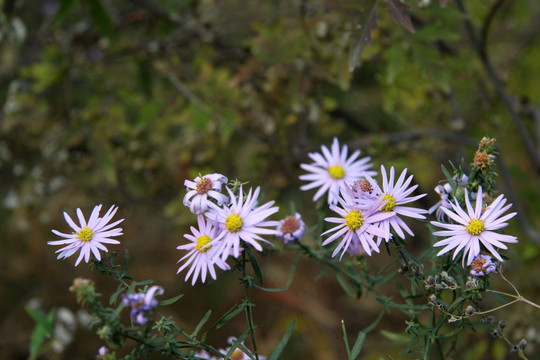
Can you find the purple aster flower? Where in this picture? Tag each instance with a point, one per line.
(395, 197)
(362, 219)
(142, 303)
(482, 265)
(88, 237)
(332, 170)
(243, 220)
(291, 228)
(202, 189)
(202, 251)
(475, 227)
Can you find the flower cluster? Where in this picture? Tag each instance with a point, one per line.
(225, 225)
(368, 213)
(141, 303)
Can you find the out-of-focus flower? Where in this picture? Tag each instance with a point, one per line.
(475, 227)
(88, 237)
(142, 303)
(333, 170)
(362, 220)
(444, 192)
(202, 189)
(395, 196)
(482, 265)
(202, 251)
(243, 220)
(291, 228)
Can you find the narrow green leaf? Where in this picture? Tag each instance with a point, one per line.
(345, 285)
(99, 17)
(255, 265)
(227, 317)
(238, 344)
(279, 348)
(45, 321)
(358, 345)
(201, 323)
(66, 6)
(171, 300)
(121, 288)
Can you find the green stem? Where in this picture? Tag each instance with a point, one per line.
(247, 305)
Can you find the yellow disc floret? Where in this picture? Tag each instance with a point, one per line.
(85, 234)
(234, 223)
(390, 203)
(354, 220)
(202, 241)
(336, 172)
(475, 227)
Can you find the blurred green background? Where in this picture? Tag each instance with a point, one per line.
(117, 102)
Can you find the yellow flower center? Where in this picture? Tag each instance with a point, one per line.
(475, 227)
(202, 241)
(85, 234)
(336, 172)
(354, 220)
(390, 203)
(234, 223)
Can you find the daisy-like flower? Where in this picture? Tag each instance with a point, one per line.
(358, 222)
(332, 170)
(482, 265)
(142, 303)
(202, 189)
(395, 197)
(202, 251)
(243, 220)
(475, 227)
(291, 228)
(88, 237)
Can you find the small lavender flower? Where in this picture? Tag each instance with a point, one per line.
(482, 265)
(142, 303)
(444, 192)
(291, 228)
(88, 237)
(202, 189)
(333, 170)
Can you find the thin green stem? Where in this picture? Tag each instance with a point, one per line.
(247, 305)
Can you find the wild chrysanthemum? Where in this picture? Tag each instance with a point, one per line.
(291, 228)
(202, 189)
(88, 237)
(243, 220)
(142, 303)
(395, 197)
(358, 222)
(475, 227)
(202, 251)
(332, 170)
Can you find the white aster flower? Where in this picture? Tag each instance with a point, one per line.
(332, 170)
(88, 237)
(202, 189)
(202, 255)
(475, 227)
(357, 222)
(243, 220)
(291, 228)
(395, 197)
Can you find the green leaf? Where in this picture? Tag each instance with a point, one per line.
(358, 344)
(345, 285)
(44, 327)
(279, 348)
(171, 300)
(231, 314)
(255, 265)
(66, 6)
(368, 24)
(201, 323)
(400, 338)
(100, 18)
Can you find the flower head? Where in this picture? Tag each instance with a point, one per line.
(475, 227)
(202, 251)
(291, 228)
(444, 192)
(482, 265)
(202, 189)
(332, 170)
(88, 237)
(358, 222)
(142, 303)
(396, 196)
(243, 220)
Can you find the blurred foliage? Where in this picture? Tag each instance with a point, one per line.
(117, 102)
